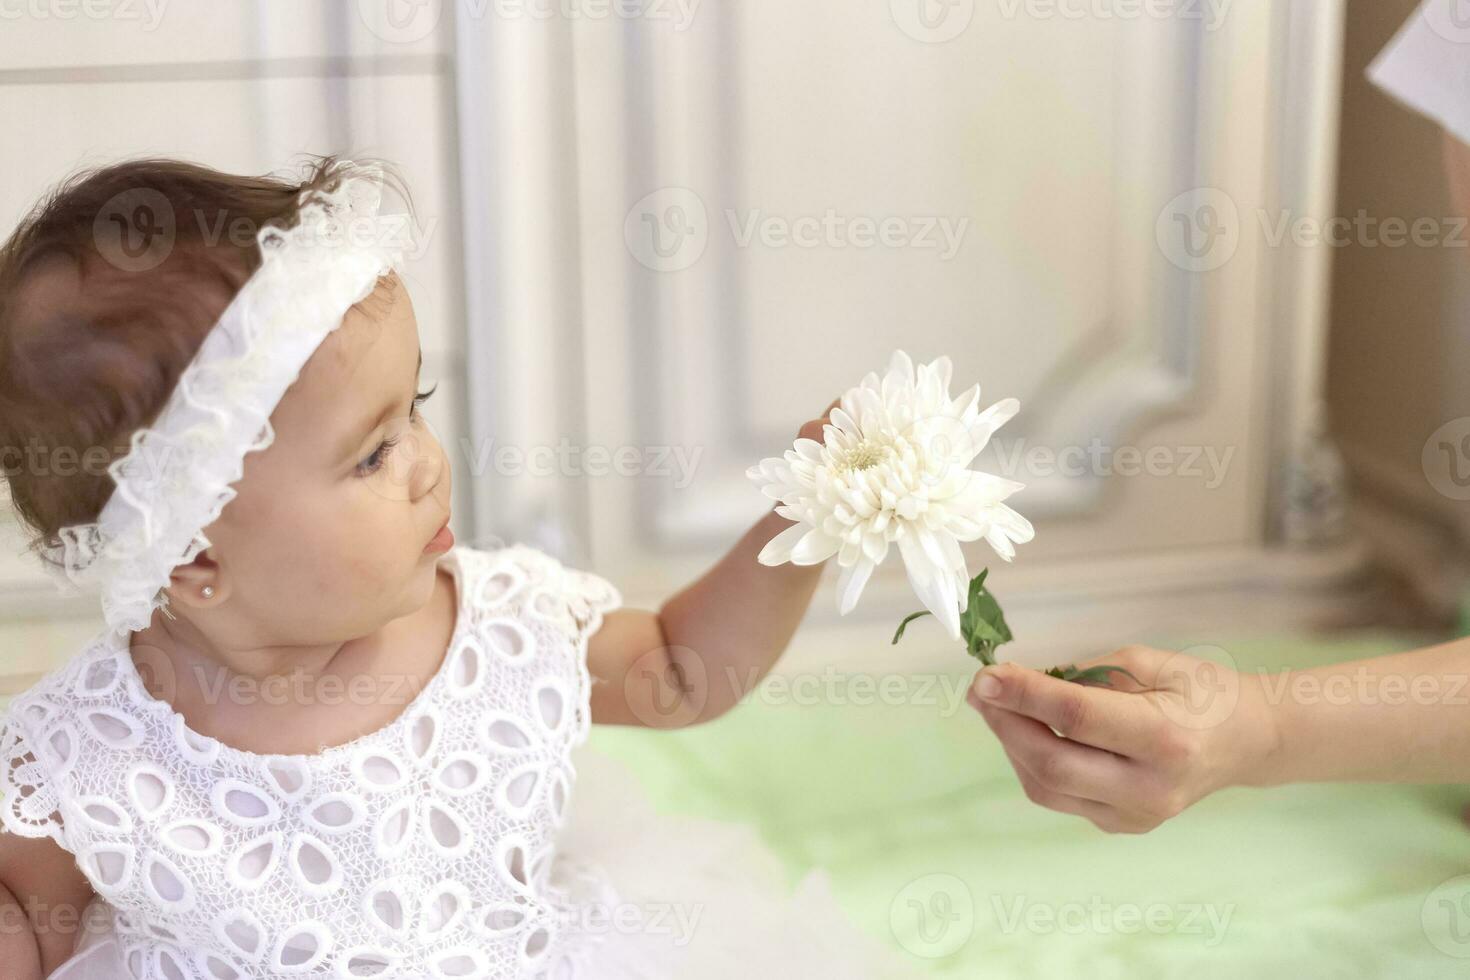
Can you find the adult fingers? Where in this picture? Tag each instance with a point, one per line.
(1098, 716)
(1103, 816)
(1062, 765)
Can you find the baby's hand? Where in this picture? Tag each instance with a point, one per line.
(813, 429)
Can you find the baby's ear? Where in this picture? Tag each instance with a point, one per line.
(199, 584)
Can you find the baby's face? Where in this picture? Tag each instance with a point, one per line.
(326, 538)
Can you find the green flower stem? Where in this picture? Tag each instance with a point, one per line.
(983, 626)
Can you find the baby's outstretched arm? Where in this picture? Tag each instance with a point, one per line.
(710, 644)
(43, 896)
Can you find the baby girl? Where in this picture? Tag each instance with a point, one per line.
(316, 736)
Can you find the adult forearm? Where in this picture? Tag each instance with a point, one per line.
(1401, 718)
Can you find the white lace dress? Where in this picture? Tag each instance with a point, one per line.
(437, 846)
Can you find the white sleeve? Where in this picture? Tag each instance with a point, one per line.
(1427, 64)
(29, 802)
(590, 595)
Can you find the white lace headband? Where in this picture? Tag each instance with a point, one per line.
(176, 478)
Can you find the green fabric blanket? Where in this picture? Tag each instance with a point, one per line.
(931, 845)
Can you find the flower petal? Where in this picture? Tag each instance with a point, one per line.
(982, 491)
(965, 403)
(1008, 526)
(808, 449)
(943, 369)
(1000, 543)
(956, 558)
(987, 422)
(778, 550)
(850, 585)
(816, 546)
(845, 422)
(930, 585)
(933, 549)
(875, 546)
(898, 382)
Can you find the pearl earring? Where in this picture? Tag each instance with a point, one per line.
(207, 591)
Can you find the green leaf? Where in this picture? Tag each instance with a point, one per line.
(1097, 676)
(982, 624)
(971, 613)
(906, 620)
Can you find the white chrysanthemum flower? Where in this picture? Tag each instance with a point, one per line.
(894, 466)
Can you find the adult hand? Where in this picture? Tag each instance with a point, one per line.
(1129, 758)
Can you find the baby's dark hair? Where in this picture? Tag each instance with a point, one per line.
(107, 289)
